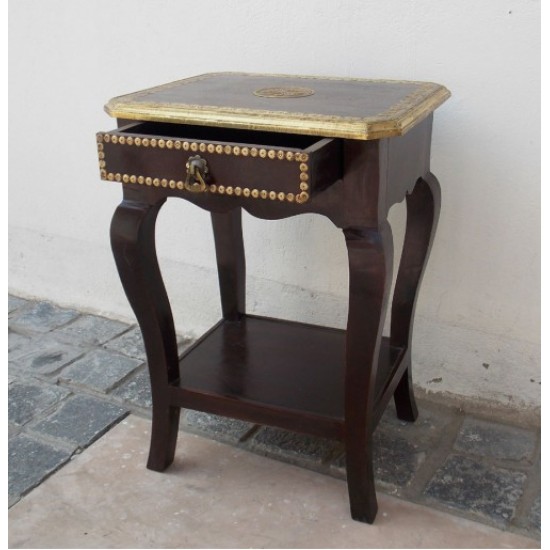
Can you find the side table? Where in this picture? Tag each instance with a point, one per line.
(279, 146)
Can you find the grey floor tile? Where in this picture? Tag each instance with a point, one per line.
(26, 400)
(130, 343)
(42, 317)
(31, 461)
(534, 515)
(494, 440)
(16, 342)
(472, 486)
(100, 370)
(42, 355)
(91, 330)
(136, 390)
(80, 420)
(14, 302)
(218, 427)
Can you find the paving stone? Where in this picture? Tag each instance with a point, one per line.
(469, 485)
(224, 429)
(16, 342)
(27, 400)
(292, 446)
(534, 515)
(14, 302)
(91, 330)
(42, 317)
(13, 500)
(136, 390)
(13, 430)
(130, 343)
(395, 460)
(489, 439)
(100, 370)
(80, 420)
(30, 462)
(43, 355)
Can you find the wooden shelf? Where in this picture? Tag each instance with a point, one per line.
(275, 372)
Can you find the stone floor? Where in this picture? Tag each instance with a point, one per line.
(62, 398)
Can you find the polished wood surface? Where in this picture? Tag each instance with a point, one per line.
(317, 380)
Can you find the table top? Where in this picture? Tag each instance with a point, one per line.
(330, 107)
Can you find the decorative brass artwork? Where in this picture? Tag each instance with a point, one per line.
(281, 92)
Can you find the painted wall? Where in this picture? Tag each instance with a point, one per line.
(477, 329)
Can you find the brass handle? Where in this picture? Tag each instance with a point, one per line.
(197, 173)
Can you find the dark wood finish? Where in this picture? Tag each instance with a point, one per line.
(316, 380)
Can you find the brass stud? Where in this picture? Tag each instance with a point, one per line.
(100, 147)
(263, 194)
(263, 153)
(169, 144)
(227, 149)
(303, 167)
(221, 189)
(106, 138)
(103, 174)
(253, 152)
(164, 182)
(145, 142)
(289, 155)
(272, 195)
(194, 146)
(238, 191)
(219, 149)
(229, 190)
(179, 184)
(153, 142)
(118, 177)
(304, 176)
(99, 138)
(156, 182)
(298, 157)
(246, 192)
(185, 145)
(125, 178)
(101, 155)
(290, 197)
(137, 141)
(172, 184)
(212, 188)
(281, 196)
(148, 181)
(122, 140)
(202, 147)
(304, 157)
(236, 151)
(255, 193)
(244, 151)
(210, 148)
(102, 164)
(141, 179)
(110, 176)
(161, 143)
(280, 155)
(133, 179)
(177, 145)
(130, 140)
(271, 154)
(304, 186)
(302, 197)
(114, 139)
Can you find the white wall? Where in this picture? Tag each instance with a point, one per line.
(480, 300)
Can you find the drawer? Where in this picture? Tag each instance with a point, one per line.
(220, 161)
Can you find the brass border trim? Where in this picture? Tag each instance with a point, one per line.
(213, 148)
(395, 121)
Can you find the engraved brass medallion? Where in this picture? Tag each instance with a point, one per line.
(284, 92)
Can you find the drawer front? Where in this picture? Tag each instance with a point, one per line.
(140, 154)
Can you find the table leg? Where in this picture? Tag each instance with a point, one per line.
(228, 239)
(370, 254)
(133, 244)
(423, 206)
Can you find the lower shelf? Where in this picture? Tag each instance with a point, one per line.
(275, 372)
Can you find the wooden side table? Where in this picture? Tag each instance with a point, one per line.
(279, 146)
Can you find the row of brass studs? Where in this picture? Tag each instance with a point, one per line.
(236, 150)
(219, 189)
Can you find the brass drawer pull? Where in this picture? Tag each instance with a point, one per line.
(197, 170)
